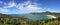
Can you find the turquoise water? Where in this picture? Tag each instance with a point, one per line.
(37, 17)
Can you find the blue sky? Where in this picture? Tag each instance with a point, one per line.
(28, 6)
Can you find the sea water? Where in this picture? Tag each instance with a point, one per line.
(37, 17)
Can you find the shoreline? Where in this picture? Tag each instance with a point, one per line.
(51, 16)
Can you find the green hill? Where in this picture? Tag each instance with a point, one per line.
(11, 20)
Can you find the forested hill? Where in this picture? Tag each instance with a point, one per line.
(4, 15)
(47, 13)
(11, 20)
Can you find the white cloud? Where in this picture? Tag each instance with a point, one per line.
(33, 8)
(10, 4)
(22, 7)
(1, 2)
(28, 7)
(3, 10)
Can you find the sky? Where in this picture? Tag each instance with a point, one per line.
(28, 6)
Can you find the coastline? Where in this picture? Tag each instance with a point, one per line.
(51, 16)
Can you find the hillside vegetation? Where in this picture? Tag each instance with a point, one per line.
(11, 20)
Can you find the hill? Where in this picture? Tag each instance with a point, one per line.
(11, 20)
